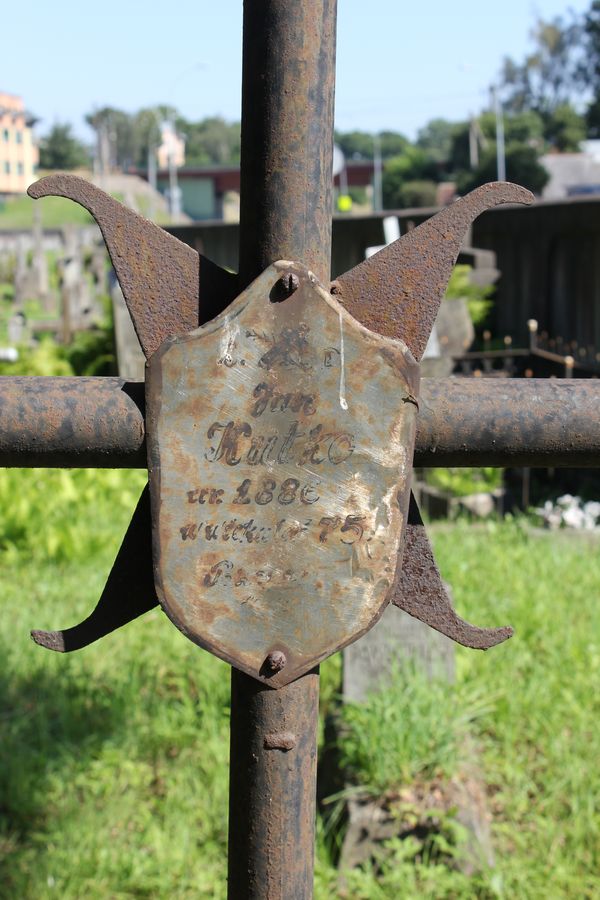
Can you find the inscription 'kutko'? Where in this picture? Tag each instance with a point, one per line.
(237, 442)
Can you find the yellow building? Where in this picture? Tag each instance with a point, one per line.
(18, 152)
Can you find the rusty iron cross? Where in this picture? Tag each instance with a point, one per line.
(279, 521)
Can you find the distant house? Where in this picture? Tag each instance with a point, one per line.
(18, 152)
(573, 174)
(172, 147)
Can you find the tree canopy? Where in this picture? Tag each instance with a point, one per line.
(59, 149)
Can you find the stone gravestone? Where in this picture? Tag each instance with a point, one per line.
(451, 336)
(39, 265)
(98, 269)
(17, 329)
(31, 278)
(396, 640)
(20, 272)
(130, 358)
(78, 311)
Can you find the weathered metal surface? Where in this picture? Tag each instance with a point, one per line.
(160, 277)
(510, 422)
(273, 786)
(88, 422)
(285, 212)
(287, 135)
(398, 291)
(128, 593)
(421, 592)
(99, 423)
(279, 497)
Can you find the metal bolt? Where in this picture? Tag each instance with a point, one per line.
(275, 661)
(285, 286)
(280, 740)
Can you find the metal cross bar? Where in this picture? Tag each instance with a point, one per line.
(99, 423)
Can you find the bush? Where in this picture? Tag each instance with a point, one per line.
(418, 193)
(413, 165)
(478, 296)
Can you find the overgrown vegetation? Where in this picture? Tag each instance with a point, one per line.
(414, 728)
(91, 352)
(113, 761)
(460, 482)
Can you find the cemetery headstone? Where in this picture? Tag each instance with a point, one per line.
(77, 307)
(20, 271)
(40, 282)
(397, 639)
(17, 329)
(130, 358)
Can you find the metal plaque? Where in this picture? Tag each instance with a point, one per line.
(280, 442)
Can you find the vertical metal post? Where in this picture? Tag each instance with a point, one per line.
(285, 213)
(287, 134)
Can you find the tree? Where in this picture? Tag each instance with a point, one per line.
(522, 167)
(211, 141)
(417, 193)
(392, 144)
(548, 77)
(436, 137)
(413, 165)
(361, 144)
(60, 150)
(355, 144)
(589, 69)
(146, 132)
(116, 147)
(565, 129)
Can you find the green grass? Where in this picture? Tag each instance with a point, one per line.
(414, 729)
(113, 761)
(17, 212)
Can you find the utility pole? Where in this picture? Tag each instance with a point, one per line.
(377, 174)
(500, 154)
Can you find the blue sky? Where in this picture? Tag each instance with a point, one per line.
(399, 63)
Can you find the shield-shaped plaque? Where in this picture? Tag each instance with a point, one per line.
(280, 443)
